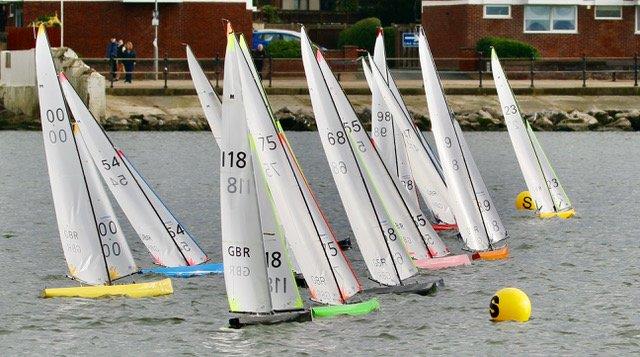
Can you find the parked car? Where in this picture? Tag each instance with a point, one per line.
(264, 37)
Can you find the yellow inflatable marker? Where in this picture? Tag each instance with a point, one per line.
(510, 304)
(525, 201)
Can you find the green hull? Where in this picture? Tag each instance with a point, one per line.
(357, 309)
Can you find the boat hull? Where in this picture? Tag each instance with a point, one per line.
(444, 227)
(418, 288)
(140, 290)
(187, 271)
(496, 254)
(562, 214)
(355, 309)
(277, 318)
(444, 262)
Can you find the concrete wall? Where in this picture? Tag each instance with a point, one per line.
(18, 81)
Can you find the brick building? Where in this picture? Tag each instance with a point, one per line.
(558, 28)
(88, 24)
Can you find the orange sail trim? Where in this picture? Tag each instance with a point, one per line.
(497, 254)
(285, 144)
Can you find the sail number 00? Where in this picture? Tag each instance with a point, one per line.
(60, 135)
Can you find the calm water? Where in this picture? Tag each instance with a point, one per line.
(582, 274)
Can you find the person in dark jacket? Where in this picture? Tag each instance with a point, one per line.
(259, 56)
(112, 54)
(129, 61)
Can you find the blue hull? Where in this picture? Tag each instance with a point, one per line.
(186, 272)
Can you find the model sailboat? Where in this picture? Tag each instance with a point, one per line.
(479, 223)
(167, 240)
(256, 225)
(390, 229)
(258, 278)
(545, 193)
(92, 241)
(404, 149)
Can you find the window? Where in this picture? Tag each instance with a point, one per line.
(638, 19)
(552, 19)
(608, 12)
(301, 4)
(497, 12)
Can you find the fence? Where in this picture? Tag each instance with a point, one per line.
(478, 69)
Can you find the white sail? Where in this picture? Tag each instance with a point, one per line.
(560, 199)
(76, 220)
(413, 150)
(466, 208)
(384, 254)
(166, 239)
(388, 140)
(114, 245)
(284, 291)
(416, 149)
(521, 139)
(243, 253)
(490, 217)
(325, 268)
(209, 101)
(393, 149)
(281, 267)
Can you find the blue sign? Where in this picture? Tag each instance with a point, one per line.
(409, 40)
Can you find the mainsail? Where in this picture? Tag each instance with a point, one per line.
(78, 223)
(325, 268)
(168, 241)
(481, 226)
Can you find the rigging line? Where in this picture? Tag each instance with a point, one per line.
(264, 102)
(353, 154)
(122, 157)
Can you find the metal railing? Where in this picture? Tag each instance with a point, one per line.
(575, 68)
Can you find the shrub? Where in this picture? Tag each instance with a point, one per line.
(390, 41)
(506, 48)
(361, 34)
(284, 49)
(271, 14)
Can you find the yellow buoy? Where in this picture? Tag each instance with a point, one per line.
(510, 304)
(525, 201)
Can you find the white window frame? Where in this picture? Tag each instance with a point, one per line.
(486, 16)
(637, 21)
(551, 30)
(595, 13)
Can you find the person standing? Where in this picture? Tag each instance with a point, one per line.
(258, 59)
(120, 56)
(129, 62)
(112, 54)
